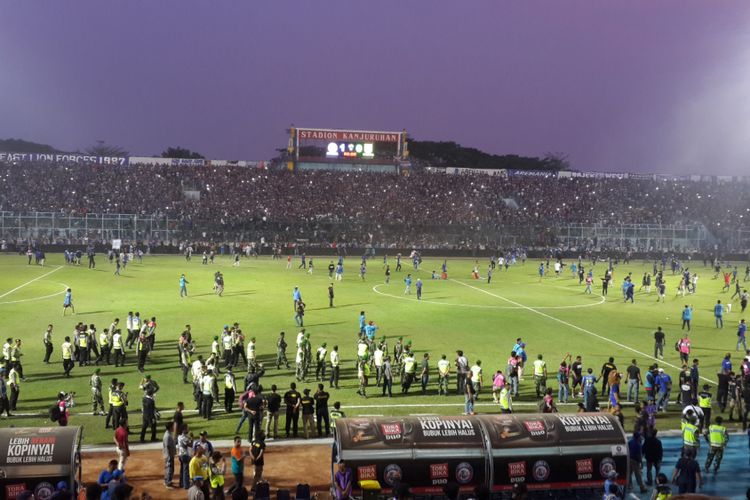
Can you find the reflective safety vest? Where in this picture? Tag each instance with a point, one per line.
(717, 436)
(67, 351)
(361, 349)
(110, 396)
(336, 414)
(83, 340)
(409, 364)
(103, 339)
(117, 398)
(229, 381)
(704, 400)
(505, 399)
(689, 433)
(217, 479)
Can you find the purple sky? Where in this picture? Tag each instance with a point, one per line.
(619, 86)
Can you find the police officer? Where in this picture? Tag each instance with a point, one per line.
(15, 358)
(83, 346)
(408, 373)
(292, 401)
(142, 348)
(321, 411)
(118, 347)
(48, 345)
(320, 362)
(690, 432)
(251, 357)
(281, 352)
(119, 405)
(67, 356)
(96, 393)
(105, 346)
(717, 440)
(704, 403)
(110, 413)
(14, 386)
(93, 343)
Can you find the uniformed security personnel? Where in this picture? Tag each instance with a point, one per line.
(118, 347)
(230, 388)
(363, 374)
(335, 368)
(506, 401)
(48, 345)
(186, 361)
(15, 358)
(299, 362)
(320, 362)
(83, 347)
(110, 412)
(67, 356)
(717, 440)
(281, 352)
(444, 367)
(227, 343)
(690, 441)
(239, 347)
(292, 401)
(704, 403)
(93, 343)
(307, 346)
(142, 348)
(148, 413)
(322, 417)
(105, 345)
(96, 393)
(408, 372)
(307, 404)
(336, 413)
(119, 404)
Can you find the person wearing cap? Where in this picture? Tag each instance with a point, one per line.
(196, 490)
(96, 393)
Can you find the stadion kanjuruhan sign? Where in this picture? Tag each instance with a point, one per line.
(317, 134)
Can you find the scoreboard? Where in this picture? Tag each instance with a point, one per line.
(350, 150)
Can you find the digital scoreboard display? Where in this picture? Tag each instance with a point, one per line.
(350, 150)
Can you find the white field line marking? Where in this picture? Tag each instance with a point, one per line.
(482, 306)
(30, 282)
(576, 327)
(33, 299)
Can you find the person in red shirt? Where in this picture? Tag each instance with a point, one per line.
(62, 404)
(121, 441)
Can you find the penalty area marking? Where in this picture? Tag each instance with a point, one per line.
(576, 327)
(482, 306)
(44, 297)
(30, 282)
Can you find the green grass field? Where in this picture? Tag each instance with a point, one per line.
(553, 317)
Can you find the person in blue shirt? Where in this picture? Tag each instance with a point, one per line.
(726, 363)
(588, 382)
(719, 314)
(370, 330)
(297, 296)
(419, 289)
(68, 301)
(541, 270)
(362, 322)
(687, 315)
(183, 286)
(445, 266)
(407, 281)
(106, 475)
(635, 447)
(741, 331)
(664, 384)
(630, 292)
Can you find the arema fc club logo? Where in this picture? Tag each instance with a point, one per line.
(464, 473)
(43, 491)
(540, 471)
(606, 466)
(392, 474)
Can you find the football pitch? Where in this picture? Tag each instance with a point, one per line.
(552, 316)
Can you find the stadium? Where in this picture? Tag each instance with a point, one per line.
(364, 314)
